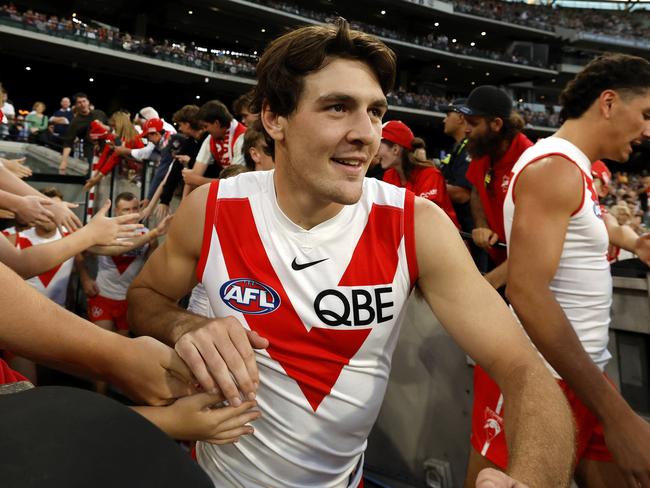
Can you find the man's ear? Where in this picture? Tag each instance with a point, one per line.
(273, 123)
(605, 101)
(496, 124)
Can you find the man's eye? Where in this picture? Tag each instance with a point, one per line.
(377, 112)
(337, 108)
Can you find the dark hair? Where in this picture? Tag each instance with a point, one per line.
(187, 114)
(52, 192)
(289, 58)
(213, 111)
(252, 136)
(512, 125)
(127, 196)
(243, 102)
(79, 95)
(610, 71)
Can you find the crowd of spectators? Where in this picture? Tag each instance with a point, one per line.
(628, 200)
(222, 61)
(619, 23)
(431, 40)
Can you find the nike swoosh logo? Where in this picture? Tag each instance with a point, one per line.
(297, 267)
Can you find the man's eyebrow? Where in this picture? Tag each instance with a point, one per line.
(344, 98)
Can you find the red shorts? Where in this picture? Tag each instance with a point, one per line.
(102, 308)
(488, 435)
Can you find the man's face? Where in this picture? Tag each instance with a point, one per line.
(482, 139)
(65, 103)
(388, 155)
(125, 207)
(184, 128)
(630, 125)
(263, 162)
(154, 137)
(248, 118)
(453, 121)
(325, 146)
(214, 129)
(82, 104)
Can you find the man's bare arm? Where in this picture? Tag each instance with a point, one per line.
(213, 348)
(459, 194)
(540, 221)
(623, 236)
(540, 441)
(144, 368)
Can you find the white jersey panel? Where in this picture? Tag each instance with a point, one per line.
(306, 438)
(115, 273)
(53, 283)
(582, 284)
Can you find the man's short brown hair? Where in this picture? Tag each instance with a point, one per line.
(187, 114)
(289, 58)
(51, 192)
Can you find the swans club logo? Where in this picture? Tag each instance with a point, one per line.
(249, 296)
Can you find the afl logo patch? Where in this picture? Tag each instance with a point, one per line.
(597, 210)
(249, 296)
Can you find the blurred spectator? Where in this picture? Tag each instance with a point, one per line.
(9, 114)
(36, 122)
(62, 118)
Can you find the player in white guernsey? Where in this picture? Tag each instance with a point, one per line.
(559, 280)
(308, 268)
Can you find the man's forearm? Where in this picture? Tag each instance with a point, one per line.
(12, 184)
(156, 315)
(477, 210)
(136, 242)
(52, 336)
(539, 428)
(553, 335)
(458, 194)
(498, 276)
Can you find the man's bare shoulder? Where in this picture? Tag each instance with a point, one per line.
(554, 180)
(186, 229)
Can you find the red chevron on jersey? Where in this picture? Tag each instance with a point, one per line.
(313, 358)
(47, 276)
(363, 270)
(122, 262)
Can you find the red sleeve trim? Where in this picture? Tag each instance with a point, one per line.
(562, 155)
(210, 221)
(409, 237)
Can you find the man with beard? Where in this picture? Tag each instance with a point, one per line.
(495, 142)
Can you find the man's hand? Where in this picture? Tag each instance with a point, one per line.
(149, 371)
(193, 419)
(89, 286)
(191, 178)
(642, 248)
(17, 167)
(33, 209)
(64, 217)
(220, 350)
(484, 238)
(63, 166)
(92, 181)
(107, 231)
(492, 478)
(628, 439)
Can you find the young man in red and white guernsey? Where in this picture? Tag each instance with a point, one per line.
(307, 269)
(620, 236)
(116, 268)
(221, 148)
(563, 295)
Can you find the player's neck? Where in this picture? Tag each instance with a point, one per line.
(578, 133)
(299, 205)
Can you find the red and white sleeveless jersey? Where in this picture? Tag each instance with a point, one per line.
(115, 273)
(53, 283)
(582, 284)
(330, 300)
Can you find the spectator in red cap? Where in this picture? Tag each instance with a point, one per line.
(404, 169)
(153, 130)
(620, 236)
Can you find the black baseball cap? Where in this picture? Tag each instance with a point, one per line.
(488, 100)
(455, 106)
